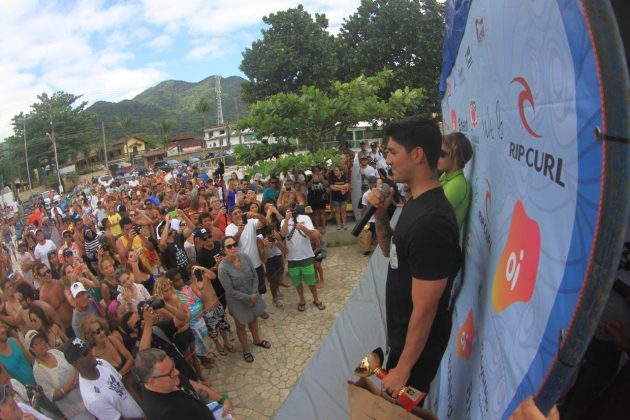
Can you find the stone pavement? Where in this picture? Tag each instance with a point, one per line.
(258, 389)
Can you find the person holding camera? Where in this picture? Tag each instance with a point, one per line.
(240, 281)
(172, 241)
(130, 292)
(299, 232)
(169, 394)
(274, 250)
(243, 229)
(132, 240)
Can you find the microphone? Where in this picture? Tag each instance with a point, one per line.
(368, 213)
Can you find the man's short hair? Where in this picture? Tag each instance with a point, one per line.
(145, 363)
(416, 131)
(25, 290)
(125, 221)
(204, 215)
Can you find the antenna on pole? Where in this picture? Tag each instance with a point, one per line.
(219, 106)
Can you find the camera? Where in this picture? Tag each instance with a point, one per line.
(198, 274)
(244, 216)
(155, 304)
(267, 232)
(136, 229)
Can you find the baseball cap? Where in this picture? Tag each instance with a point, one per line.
(199, 232)
(75, 349)
(30, 336)
(121, 208)
(77, 288)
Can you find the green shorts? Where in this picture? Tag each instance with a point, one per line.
(302, 274)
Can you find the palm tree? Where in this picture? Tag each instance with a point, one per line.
(125, 124)
(202, 107)
(164, 127)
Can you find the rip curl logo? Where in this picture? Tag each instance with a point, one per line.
(515, 276)
(480, 30)
(525, 96)
(465, 337)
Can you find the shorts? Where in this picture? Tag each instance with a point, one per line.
(337, 204)
(215, 321)
(303, 274)
(274, 267)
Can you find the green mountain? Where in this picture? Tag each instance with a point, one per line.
(174, 100)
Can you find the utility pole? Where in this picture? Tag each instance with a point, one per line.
(104, 145)
(53, 139)
(28, 171)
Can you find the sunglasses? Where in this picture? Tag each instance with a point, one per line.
(166, 375)
(204, 238)
(230, 246)
(43, 273)
(97, 331)
(443, 153)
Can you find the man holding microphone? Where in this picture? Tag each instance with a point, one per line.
(424, 256)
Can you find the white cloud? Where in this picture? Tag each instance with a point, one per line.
(113, 51)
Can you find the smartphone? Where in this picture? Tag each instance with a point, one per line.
(244, 216)
(119, 288)
(172, 213)
(287, 189)
(198, 275)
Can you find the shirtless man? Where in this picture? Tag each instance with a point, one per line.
(26, 298)
(51, 292)
(213, 312)
(206, 220)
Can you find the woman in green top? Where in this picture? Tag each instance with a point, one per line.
(456, 152)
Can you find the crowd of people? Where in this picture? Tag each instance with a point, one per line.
(113, 296)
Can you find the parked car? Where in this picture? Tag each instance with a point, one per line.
(105, 180)
(161, 165)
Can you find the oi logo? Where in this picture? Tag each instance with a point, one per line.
(465, 337)
(515, 276)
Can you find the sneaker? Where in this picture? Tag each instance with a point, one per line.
(278, 304)
(338, 227)
(343, 227)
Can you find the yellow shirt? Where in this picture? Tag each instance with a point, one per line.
(114, 221)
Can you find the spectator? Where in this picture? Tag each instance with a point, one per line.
(43, 247)
(243, 230)
(169, 394)
(85, 306)
(14, 358)
(340, 187)
(172, 243)
(455, 153)
(218, 212)
(240, 281)
(26, 262)
(130, 293)
(102, 390)
(11, 409)
(58, 379)
(51, 331)
(299, 232)
(273, 189)
(52, 292)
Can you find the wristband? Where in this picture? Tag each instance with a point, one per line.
(224, 397)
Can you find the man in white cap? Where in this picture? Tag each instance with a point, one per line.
(101, 386)
(84, 306)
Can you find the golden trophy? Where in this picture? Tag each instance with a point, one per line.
(408, 397)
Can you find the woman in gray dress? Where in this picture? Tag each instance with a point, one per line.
(240, 281)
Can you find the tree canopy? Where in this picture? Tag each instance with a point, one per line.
(314, 115)
(404, 36)
(295, 51)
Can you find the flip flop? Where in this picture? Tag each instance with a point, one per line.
(320, 305)
(248, 357)
(264, 315)
(264, 344)
(302, 307)
(229, 348)
(222, 352)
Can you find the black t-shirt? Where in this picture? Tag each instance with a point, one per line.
(425, 246)
(181, 405)
(205, 258)
(174, 256)
(337, 195)
(169, 329)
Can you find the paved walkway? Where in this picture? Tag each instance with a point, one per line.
(258, 389)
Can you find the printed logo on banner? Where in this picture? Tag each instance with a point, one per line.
(473, 113)
(525, 96)
(480, 30)
(484, 221)
(465, 337)
(469, 59)
(515, 276)
(453, 120)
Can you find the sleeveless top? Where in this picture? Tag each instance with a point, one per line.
(17, 365)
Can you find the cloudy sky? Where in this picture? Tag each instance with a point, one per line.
(113, 50)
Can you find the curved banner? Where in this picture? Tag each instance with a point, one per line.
(526, 90)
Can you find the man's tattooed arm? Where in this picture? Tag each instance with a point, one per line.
(384, 232)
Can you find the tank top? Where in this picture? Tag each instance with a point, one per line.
(17, 365)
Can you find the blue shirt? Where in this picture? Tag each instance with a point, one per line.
(17, 364)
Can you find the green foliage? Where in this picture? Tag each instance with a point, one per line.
(404, 36)
(202, 106)
(314, 115)
(283, 165)
(244, 155)
(75, 128)
(295, 51)
(164, 128)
